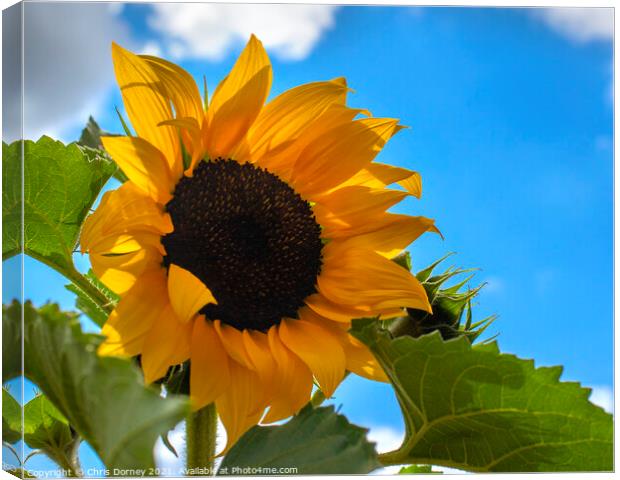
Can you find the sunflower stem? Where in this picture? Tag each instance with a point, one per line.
(67, 459)
(200, 436)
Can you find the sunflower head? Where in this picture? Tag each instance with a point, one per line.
(249, 234)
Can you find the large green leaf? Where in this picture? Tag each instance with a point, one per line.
(473, 408)
(316, 441)
(103, 399)
(11, 418)
(12, 198)
(61, 182)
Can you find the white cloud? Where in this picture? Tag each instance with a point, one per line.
(212, 30)
(386, 438)
(603, 396)
(68, 68)
(174, 466)
(169, 464)
(151, 48)
(580, 24)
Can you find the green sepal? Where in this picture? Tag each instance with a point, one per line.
(404, 260)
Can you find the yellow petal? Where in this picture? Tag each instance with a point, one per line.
(345, 313)
(286, 116)
(124, 210)
(210, 372)
(120, 272)
(392, 233)
(349, 211)
(179, 87)
(357, 276)
(146, 105)
(318, 348)
(134, 315)
(282, 159)
(237, 406)
(143, 164)
(379, 175)
(122, 243)
(191, 132)
(338, 313)
(359, 359)
(238, 99)
(232, 340)
(257, 347)
(293, 381)
(340, 153)
(187, 293)
(166, 344)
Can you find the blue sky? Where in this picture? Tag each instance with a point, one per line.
(511, 116)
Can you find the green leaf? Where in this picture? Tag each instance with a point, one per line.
(473, 408)
(12, 198)
(315, 441)
(61, 182)
(11, 342)
(84, 302)
(11, 418)
(60, 185)
(45, 428)
(91, 134)
(104, 399)
(166, 441)
(91, 137)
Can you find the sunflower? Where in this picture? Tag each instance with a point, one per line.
(248, 235)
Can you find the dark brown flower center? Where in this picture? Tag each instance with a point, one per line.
(249, 237)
